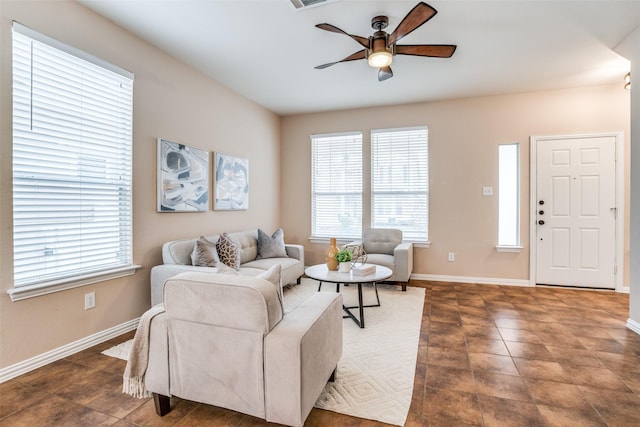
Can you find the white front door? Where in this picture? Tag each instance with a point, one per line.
(575, 211)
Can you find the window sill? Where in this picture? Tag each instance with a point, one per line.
(32, 291)
(339, 240)
(421, 244)
(509, 248)
(344, 241)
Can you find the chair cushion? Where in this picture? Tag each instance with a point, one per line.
(381, 240)
(382, 259)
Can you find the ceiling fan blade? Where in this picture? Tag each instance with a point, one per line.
(432, 50)
(353, 57)
(328, 27)
(420, 14)
(384, 73)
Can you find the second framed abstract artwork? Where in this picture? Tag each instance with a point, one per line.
(231, 183)
(183, 178)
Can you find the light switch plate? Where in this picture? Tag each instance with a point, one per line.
(487, 191)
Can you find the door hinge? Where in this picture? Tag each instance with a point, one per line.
(615, 269)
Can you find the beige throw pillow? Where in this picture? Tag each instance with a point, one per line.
(204, 253)
(273, 275)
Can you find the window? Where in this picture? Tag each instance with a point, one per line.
(400, 181)
(336, 185)
(509, 195)
(72, 123)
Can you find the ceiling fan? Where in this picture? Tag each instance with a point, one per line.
(381, 47)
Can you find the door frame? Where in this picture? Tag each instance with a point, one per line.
(620, 208)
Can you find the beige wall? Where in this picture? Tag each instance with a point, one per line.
(463, 147)
(630, 48)
(171, 101)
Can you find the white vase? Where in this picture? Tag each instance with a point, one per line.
(344, 267)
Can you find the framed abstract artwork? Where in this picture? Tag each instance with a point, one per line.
(231, 183)
(183, 178)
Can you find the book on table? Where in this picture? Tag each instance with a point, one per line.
(363, 269)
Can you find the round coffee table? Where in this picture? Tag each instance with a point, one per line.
(321, 273)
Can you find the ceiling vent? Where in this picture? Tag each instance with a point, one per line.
(304, 4)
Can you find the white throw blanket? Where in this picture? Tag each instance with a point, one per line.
(133, 378)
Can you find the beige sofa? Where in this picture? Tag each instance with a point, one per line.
(223, 340)
(176, 258)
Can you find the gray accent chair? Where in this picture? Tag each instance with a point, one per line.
(384, 246)
(223, 340)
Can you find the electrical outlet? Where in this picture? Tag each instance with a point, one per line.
(487, 191)
(89, 300)
(451, 257)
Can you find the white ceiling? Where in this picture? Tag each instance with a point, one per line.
(266, 50)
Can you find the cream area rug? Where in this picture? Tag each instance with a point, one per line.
(375, 375)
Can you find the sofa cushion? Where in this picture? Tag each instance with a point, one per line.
(204, 253)
(228, 251)
(225, 269)
(247, 241)
(271, 246)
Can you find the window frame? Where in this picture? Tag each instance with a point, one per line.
(355, 192)
(426, 191)
(503, 187)
(24, 135)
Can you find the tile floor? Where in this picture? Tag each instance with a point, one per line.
(488, 356)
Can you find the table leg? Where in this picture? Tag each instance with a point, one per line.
(360, 305)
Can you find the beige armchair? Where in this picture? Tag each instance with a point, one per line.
(223, 340)
(384, 246)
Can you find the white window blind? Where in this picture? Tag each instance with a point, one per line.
(509, 195)
(400, 181)
(72, 127)
(336, 185)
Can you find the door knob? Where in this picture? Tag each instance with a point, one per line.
(541, 222)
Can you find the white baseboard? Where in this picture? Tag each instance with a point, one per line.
(634, 326)
(66, 350)
(467, 279)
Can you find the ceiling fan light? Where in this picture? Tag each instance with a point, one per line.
(380, 59)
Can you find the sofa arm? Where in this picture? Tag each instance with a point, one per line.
(403, 260)
(157, 375)
(353, 243)
(300, 354)
(295, 251)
